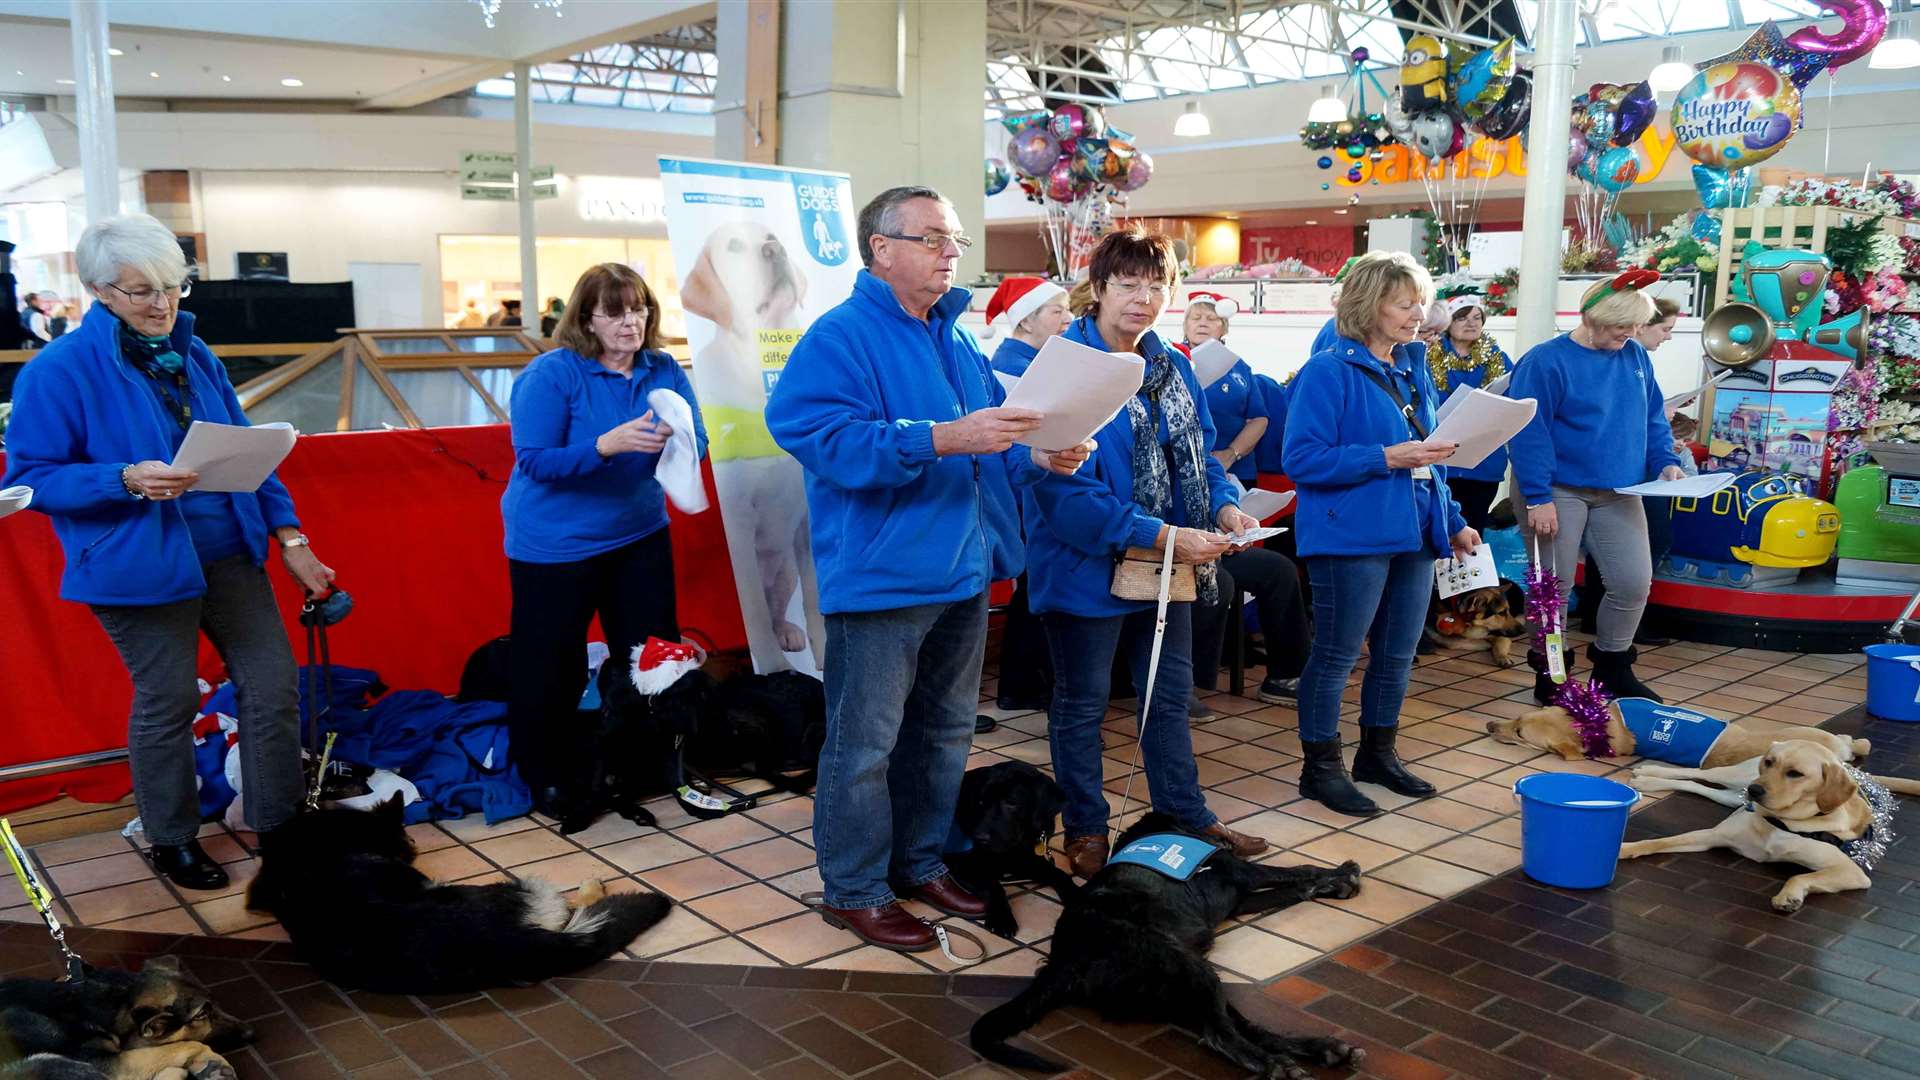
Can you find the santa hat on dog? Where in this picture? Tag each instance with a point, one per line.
(1224, 306)
(1017, 298)
(659, 663)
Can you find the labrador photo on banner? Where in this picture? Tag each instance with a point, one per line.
(761, 251)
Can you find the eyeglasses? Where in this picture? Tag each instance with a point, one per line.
(145, 297)
(1127, 290)
(638, 315)
(935, 241)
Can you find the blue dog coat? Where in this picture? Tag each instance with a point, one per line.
(1669, 733)
(1172, 854)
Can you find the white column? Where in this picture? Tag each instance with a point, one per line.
(1546, 203)
(93, 93)
(523, 184)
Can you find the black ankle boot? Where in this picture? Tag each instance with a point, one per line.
(188, 866)
(1614, 670)
(1544, 688)
(1323, 776)
(1376, 763)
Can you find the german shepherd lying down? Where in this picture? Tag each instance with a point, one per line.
(1132, 946)
(116, 1025)
(343, 884)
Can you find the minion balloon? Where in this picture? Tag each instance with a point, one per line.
(1423, 74)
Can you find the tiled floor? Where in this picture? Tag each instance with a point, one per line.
(1496, 980)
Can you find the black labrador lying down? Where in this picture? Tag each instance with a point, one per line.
(1001, 826)
(1132, 946)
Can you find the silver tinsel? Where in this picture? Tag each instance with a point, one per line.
(1867, 850)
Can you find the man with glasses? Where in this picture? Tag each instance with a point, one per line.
(894, 413)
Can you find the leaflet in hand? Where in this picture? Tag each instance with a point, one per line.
(1497, 386)
(1262, 504)
(1676, 401)
(1078, 388)
(1254, 536)
(233, 457)
(1007, 382)
(1687, 487)
(1476, 571)
(1481, 424)
(15, 499)
(1211, 362)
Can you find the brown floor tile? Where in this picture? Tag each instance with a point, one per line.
(835, 1045)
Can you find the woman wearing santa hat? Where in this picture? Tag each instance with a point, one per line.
(1468, 356)
(1035, 309)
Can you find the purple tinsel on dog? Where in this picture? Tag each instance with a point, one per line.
(1586, 702)
(1543, 604)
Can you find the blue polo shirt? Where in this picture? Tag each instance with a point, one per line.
(1234, 399)
(564, 501)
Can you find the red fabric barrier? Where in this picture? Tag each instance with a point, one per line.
(410, 520)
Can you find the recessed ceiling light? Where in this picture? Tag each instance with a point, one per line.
(1311, 221)
(64, 82)
(226, 78)
(153, 74)
(116, 52)
(291, 82)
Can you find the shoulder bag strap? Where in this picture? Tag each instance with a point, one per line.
(1406, 410)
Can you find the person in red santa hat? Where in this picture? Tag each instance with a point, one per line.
(1035, 309)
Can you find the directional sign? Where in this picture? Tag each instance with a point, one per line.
(486, 192)
(470, 174)
(498, 158)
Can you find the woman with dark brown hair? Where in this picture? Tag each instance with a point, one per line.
(586, 520)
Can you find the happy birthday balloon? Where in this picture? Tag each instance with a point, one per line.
(1732, 116)
(1766, 46)
(1615, 169)
(1435, 134)
(1510, 116)
(998, 176)
(1862, 24)
(1633, 114)
(1032, 151)
(1483, 80)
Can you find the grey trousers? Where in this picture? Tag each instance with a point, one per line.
(1613, 529)
(159, 644)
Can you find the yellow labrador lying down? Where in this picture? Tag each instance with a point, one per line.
(1797, 803)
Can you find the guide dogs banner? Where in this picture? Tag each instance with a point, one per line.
(761, 251)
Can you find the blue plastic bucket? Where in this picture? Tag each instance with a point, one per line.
(1893, 682)
(1571, 827)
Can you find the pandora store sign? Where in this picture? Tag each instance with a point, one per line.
(616, 198)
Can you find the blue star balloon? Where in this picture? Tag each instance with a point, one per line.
(1767, 46)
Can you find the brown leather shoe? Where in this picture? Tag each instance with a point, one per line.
(1243, 845)
(945, 894)
(1088, 854)
(888, 926)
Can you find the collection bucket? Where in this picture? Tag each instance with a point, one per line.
(1571, 827)
(1893, 682)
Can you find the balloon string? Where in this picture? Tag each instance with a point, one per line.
(1826, 155)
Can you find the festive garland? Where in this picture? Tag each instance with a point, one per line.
(1586, 704)
(1483, 355)
(1503, 293)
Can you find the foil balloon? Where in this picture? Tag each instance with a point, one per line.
(1615, 169)
(998, 176)
(1483, 80)
(1080, 169)
(1576, 151)
(1139, 171)
(1423, 74)
(1735, 115)
(1720, 188)
(1862, 24)
(1434, 133)
(1705, 227)
(1017, 121)
(1114, 134)
(1399, 124)
(1070, 122)
(1032, 151)
(1510, 116)
(1766, 46)
(1061, 182)
(1601, 124)
(1093, 154)
(1633, 115)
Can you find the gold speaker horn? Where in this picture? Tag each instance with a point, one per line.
(1736, 335)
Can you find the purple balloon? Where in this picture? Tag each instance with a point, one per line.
(1139, 171)
(1061, 181)
(1775, 129)
(1633, 114)
(1576, 151)
(1862, 24)
(1032, 151)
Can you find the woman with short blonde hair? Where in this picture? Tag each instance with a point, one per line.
(1374, 512)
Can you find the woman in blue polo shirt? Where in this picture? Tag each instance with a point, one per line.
(1374, 514)
(586, 521)
(1468, 356)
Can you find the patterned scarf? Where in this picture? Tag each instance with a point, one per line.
(165, 369)
(1157, 470)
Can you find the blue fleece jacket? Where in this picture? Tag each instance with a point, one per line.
(1232, 401)
(1601, 421)
(565, 502)
(81, 414)
(1324, 340)
(1494, 468)
(894, 525)
(1077, 525)
(1274, 395)
(1014, 357)
(1350, 502)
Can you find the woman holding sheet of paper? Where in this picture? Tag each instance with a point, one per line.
(1375, 513)
(1468, 356)
(1601, 424)
(96, 418)
(1150, 481)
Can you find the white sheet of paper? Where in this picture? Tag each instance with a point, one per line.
(230, 457)
(1687, 487)
(1453, 402)
(1007, 382)
(1211, 362)
(15, 499)
(1499, 385)
(1481, 424)
(1254, 536)
(1676, 401)
(1263, 504)
(1078, 388)
(1476, 571)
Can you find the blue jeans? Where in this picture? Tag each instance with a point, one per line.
(903, 688)
(1083, 651)
(1376, 600)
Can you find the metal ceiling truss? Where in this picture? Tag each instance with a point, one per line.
(672, 71)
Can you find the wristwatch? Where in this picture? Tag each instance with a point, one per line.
(297, 540)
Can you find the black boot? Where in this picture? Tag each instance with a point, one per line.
(1323, 776)
(188, 866)
(1376, 763)
(1614, 670)
(1544, 688)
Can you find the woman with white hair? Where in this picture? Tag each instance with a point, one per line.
(97, 417)
(1601, 424)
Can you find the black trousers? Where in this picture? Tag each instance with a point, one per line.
(1274, 581)
(1026, 665)
(1476, 500)
(631, 589)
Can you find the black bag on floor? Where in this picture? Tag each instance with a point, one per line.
(767, 726)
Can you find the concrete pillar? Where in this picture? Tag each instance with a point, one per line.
(523, 194)
(1545, 209)
(93, 98)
